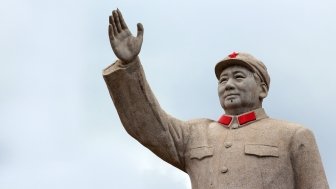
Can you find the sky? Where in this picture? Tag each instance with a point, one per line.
(59, 127)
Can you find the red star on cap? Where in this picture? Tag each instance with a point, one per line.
(233, 55)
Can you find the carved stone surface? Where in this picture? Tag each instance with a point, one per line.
(244, 149)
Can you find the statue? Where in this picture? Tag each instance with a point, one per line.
(244, 149)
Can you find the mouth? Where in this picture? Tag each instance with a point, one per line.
(228, 96)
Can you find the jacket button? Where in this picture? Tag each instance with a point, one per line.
(228, 144)
(224, 170)
(234, 126)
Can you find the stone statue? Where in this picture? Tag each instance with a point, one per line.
(244, 149)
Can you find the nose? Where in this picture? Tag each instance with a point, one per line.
(229, 85)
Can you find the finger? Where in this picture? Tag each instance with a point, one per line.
(114, 28)
(116, 21)
(110, 32)
(122, 21)
(110, 20)
(140, 30)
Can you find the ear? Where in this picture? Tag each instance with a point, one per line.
(263, 91)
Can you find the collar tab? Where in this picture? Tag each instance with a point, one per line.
(242, 119)
(245, 118)
(225, 119)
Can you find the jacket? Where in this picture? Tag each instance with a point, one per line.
(261, 154)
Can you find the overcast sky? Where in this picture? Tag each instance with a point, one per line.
(58, 126)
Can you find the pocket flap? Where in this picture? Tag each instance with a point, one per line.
(201, 152)
(261, 150)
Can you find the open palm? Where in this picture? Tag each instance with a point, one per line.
(125, 46)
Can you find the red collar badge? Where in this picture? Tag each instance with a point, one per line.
(242, 119)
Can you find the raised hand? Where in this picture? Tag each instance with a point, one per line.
(125, 46)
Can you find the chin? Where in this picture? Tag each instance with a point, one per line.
(231, 105)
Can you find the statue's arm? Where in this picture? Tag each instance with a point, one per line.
(138, 109)
(141, 114)
(306, 161)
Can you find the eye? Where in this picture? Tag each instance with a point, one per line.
(223, 80)
(239, 76)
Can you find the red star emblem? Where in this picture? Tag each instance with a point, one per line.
(233, 55)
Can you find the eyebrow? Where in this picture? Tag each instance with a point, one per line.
(234, 72)
(238, 71)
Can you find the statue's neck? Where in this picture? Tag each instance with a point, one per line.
(241, 110)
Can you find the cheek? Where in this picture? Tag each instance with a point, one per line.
(253, 94)
(221, 90)
(250, 91)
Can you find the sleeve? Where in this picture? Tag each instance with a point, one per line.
(306, 161)
(141, 114)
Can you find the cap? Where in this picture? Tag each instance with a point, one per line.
(246, 60)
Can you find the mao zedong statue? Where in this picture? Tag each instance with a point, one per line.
(244, 149)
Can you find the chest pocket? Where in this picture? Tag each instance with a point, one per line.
(201, 152)
(262, 150)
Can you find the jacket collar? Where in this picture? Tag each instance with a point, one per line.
(241, 120)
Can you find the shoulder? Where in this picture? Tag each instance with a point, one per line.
(271, 123)
(199, 125)
(199, 122)
(284, 130)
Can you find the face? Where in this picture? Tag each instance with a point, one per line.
(239, 91)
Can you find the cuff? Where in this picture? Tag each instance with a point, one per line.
(117, 65)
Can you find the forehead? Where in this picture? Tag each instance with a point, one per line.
(234, 69)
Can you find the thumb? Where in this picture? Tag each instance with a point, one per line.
(140, 30)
